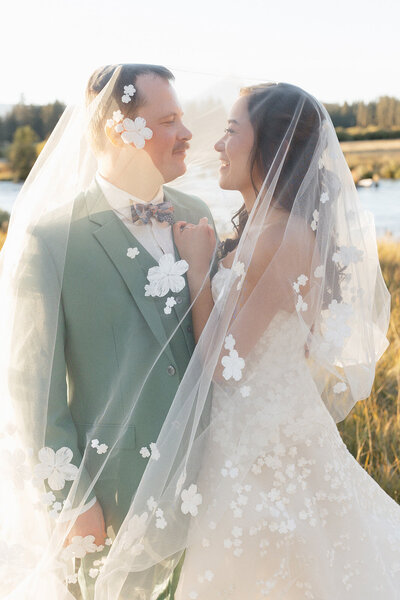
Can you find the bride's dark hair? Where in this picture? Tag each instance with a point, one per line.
(271, 109)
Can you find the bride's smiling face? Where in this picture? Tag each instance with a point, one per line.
(235, 149)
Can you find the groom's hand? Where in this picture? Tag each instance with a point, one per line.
(90, 522)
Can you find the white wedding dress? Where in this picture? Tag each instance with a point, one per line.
(306, 521)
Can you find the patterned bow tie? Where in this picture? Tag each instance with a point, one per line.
(163, 212)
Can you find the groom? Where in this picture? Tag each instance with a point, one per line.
(109, 332)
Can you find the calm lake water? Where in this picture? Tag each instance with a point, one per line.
(383, 201)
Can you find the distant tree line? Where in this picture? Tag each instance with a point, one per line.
(383, 113)
(26, 125)
(41, 119)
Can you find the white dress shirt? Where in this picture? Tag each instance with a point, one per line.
(154, 236)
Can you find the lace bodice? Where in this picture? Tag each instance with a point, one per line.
(281, 344)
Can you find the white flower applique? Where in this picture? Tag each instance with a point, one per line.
(301, 306)
(233, 363)
(179, 483)
(116, 118)
(153, 453)
(17, 470)
(134, 132)
(56, 467)
(314, 222)
(170, 302)
(168, 276)
(319, 272)
(228, 470)
(79, 547)
(347, 255)
(191, 500)
(135, 531)
(161, 523)
(207, 576)
(336, 328)
(132, 252)
(324, 197)
(100, 448)
(238, 269)
(129, 91)
(245, 391)
(339, 387)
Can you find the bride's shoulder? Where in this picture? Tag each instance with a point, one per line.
(283, 239)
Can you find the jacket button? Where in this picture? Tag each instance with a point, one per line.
(189, 328)
(178, 300)
(171, 370)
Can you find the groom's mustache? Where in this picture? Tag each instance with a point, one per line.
(181, 147)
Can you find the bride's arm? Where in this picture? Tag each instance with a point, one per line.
(196, 245)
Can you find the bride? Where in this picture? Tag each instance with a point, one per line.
(291, 514)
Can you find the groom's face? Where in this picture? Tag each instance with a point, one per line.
(163, 114)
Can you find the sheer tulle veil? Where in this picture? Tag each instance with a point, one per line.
(324, 274)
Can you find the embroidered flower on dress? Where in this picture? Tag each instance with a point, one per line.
(166, 277)
(129, 91)
(132, 252)
(56, 467)
(234, 365)
(191, 500)
(347, 255)
(134, 132)
(315, 220)
(229, 470)
(170, 302)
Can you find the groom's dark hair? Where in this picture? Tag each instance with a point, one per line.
(127, 75)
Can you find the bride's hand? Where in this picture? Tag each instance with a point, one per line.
(195, 243)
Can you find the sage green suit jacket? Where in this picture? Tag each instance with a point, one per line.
(109, 334)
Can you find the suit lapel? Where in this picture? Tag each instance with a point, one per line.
(115, 239)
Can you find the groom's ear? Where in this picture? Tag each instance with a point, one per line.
(113, 136)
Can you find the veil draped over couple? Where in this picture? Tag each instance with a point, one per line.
(170, 392)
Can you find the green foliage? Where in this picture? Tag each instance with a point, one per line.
(4, 218)
(372, 121)
(23, 152)
(42, 119)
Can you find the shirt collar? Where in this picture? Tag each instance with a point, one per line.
(120, 199)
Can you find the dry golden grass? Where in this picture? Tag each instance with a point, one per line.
(3, 236)
(372, 430)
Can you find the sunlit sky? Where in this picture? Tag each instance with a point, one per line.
(342, 50)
